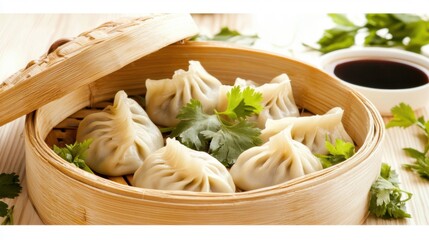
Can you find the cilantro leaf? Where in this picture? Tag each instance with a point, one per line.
(8, 214)
(421, 165)
(422, 124)
(337, 38)
(242, 104)
(386, 198)
(400, 28)
(224, 135)
(228, 35)
(230, 141)
(193, 122)
(3, 209)
(75, 153)
(379, 21)
(337, 153)
(390, 175)
(9, 185)
(403, 116)
(406, 31)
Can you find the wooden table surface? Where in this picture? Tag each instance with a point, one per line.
(27, 36)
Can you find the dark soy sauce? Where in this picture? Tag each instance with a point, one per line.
(381, 74)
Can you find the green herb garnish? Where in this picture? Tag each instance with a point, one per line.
(386, 198)
(225, 134)
(403, 116)
(75, 153)
(9, 188)
(406, 31)
(336, 153)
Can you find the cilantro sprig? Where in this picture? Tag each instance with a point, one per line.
(242, 103)
(228, 35)
(193, 121)
(407, 31)
(225, 134)
(75, 153)
(9, 188)
(386, 198)
(403, 116)
(336, 153)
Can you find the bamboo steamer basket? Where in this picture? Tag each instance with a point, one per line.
(83, 80)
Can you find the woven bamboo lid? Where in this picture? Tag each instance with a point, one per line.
(69, 65)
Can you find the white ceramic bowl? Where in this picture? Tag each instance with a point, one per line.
(383, 99)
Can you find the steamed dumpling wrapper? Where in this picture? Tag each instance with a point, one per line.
(177, 167)
(165, 97)
(312, 131)
(277, 102)
(277, 161)
(123, 136)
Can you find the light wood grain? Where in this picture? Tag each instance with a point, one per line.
(26, 37)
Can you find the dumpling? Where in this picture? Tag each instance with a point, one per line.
(123, 136)
(312, 131)
(277, 161)
(177, 167)
(165, 98)
(278, 101)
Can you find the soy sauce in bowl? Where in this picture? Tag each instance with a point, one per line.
(381, 74)
(385, 76)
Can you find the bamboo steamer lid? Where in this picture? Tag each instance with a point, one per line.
(105, 49)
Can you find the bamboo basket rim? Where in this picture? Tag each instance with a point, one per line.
(373, 139)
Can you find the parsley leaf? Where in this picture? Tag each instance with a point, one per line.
(193, 121)
(9, 188)
(3, 209)
(406, 31)
(230, 141)
(403, 116)
(242, 104)
(8, 216)
(388, 174)
(341, 36)
(75, 153)
(337, 38)
(9, 185)
(224, 135)
(421, 165)
(386, 198)
(337, 153)
(228, 35)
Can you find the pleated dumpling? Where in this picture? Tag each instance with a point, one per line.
(122, 137)
(312, 131)
(165, 97)
(277, 161)
(277, 102)
(177, 167)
